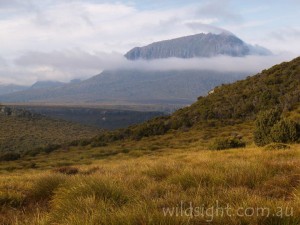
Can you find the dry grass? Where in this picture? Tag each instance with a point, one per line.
(130, 190)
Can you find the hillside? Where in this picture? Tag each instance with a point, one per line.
(22, 131)
(47, 84)
(199, 45)
(11, 88)
(278, 86)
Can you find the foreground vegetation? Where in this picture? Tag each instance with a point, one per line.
(132, 188)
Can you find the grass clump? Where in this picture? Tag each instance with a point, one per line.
(44, 187)
(87, 201)
(68, 170)
(277, 146)
(227, 143)
(11, 198)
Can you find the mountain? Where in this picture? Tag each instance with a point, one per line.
(199, 45)
(75, 81)
(11, 88)
(131, 86)
(148, 87)
(47, 84)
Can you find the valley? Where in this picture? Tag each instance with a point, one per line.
(95, 116)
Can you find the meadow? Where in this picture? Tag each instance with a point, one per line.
(169, 179)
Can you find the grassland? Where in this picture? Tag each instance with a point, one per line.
(137, 182)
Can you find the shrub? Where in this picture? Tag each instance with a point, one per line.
(50, 148)
(95, 144)
(271, 128)
(264, 123)
(284, 131)
(227, 143)
(84, 142)
(10, 156)
(33, 152)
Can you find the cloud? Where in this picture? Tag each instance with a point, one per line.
(222, 9)
(2, 62)
(248, 64)
(286, 33)
(200, 27)
(65, 39)
(52, 25)
(67, 65)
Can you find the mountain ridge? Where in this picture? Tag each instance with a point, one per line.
(198, 45)
(131, 86)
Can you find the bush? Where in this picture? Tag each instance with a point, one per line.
(227, 143)
(270, 127)
(10, 156)
(33, 152)
(264, 123)
(284, 131)
(50, 148)
(84, 142)
(98, 144)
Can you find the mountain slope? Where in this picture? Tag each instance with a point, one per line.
(131, 86)
(278, 86)
(199, 45)
(11, 88)
(47, 84)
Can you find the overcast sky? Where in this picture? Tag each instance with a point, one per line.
(66, 39)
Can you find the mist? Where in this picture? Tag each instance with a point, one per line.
(67, 65)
